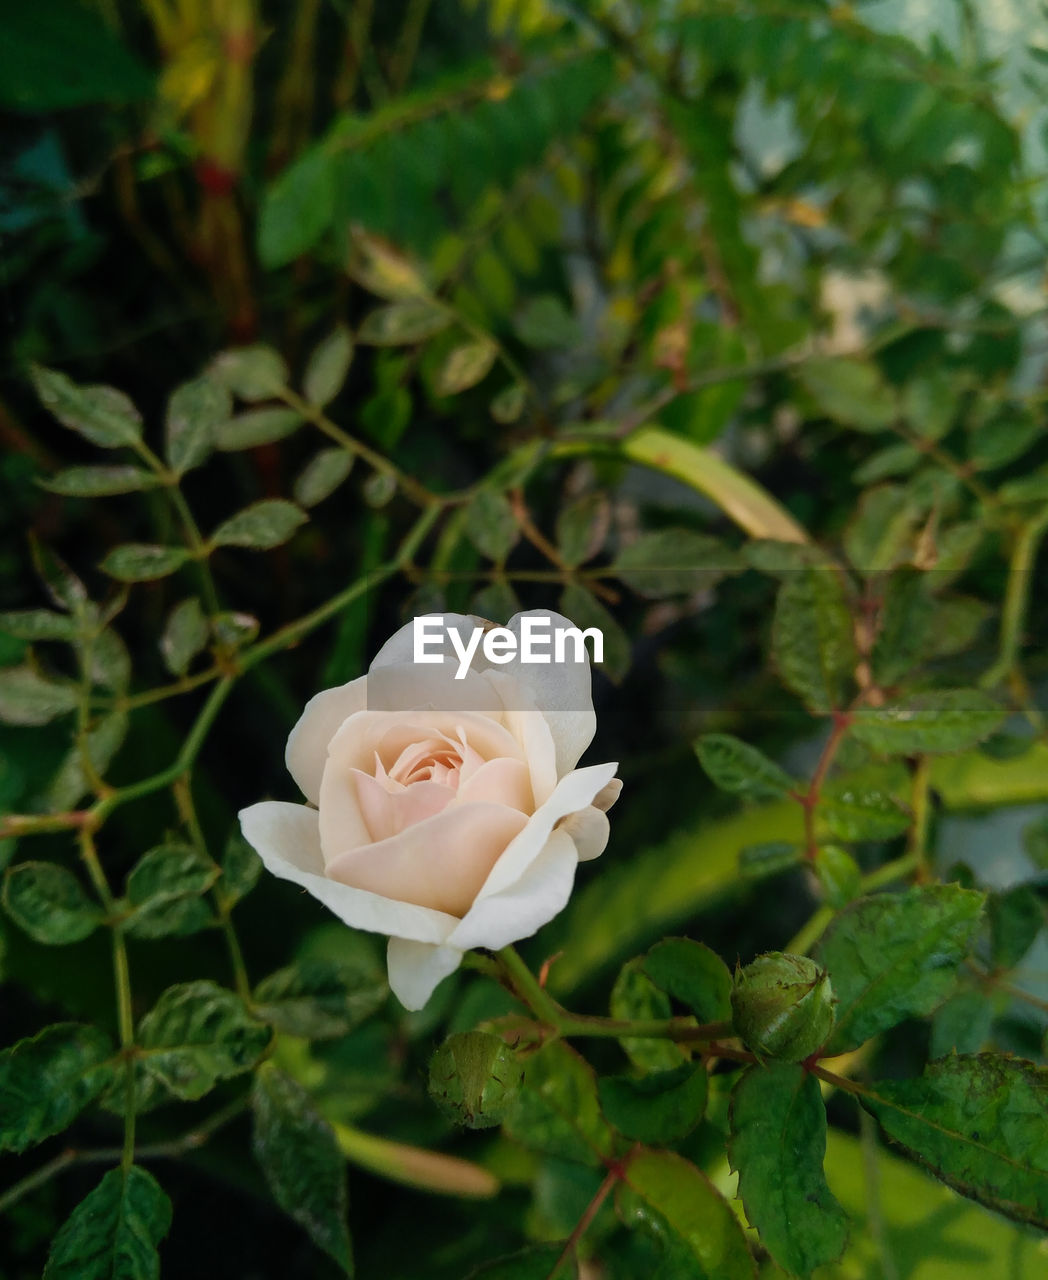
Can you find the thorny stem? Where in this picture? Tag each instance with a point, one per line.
(809, 799)
(122, 976)
(614, 1176)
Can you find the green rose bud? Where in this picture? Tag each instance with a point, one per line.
(783, 1006)
(473, 1077)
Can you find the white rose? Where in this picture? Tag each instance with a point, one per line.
(447, 814)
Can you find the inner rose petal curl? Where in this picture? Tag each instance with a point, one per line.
(448, 814)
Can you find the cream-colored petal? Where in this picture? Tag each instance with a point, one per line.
(502, 781)
(342, 822)
(562, 692)
(388, 734)
(589, 828)
(307, 744)
(607, 796)
(287, 839)
(526, 905)
(574, 792)
(387, 813)
(531, 729)
(440, 863)
(415, 969)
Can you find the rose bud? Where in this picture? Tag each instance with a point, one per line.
(473, 1077)
(783, 1006)
(445, 806)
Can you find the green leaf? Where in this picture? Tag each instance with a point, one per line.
(905, 624)
(256, 427)
(298, 208)
(260, 526)
(582, 527)
(693, 974)
(893, 460)
(678, 1203)
(536, 1263)
(895, 956)
(838, 874)
(777, 1146)
(184, 636)
(302, 1163)
(508, 405)
(27, 698)
(936, 721)
(48, 902)
(109, 663)
(585, 611)
(100, 482)
(379, 489)
(143, 562)
(851, 809)
(465, 366)
(322, 475)
(46, 1082)
(328, 367)
(241, 868)
(979, 1122)
(113, 1234)
(39, 624)
(544, 323)
(163, 890)
(102, 415)
(1017, 916)
(635, 997)
(404, 323)
(251, 373)
(234, 630)
(62, 585)
(194, 411)
(659, 1108)
(556, 1110)
(195, 1035)
(881, 533)
(318, 999)
(851, 392)
(769, 858)
(813, 641)
(491, 525)
(737, 767)
(385, 271)
(675, 562)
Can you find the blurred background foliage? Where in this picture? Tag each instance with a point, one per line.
(628, 274)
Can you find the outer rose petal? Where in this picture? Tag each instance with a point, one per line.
(307, 744)
(526, 905)
(589, 829)
(415, 968)
(441, 862)
(562, 692)
(287, 839)
(574, 792)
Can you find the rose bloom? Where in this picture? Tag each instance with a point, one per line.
(447, 814)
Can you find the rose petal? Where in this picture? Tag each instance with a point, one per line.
(287, 839)
(607, 796)
(388, 734)
(589, 828)
(526, 905)
(307, 744)
(399, 649)
(388, 813)
(561, 691)
(531, 729)
(574, 792)
(415, 969)
(502, 781)
(440, 863)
